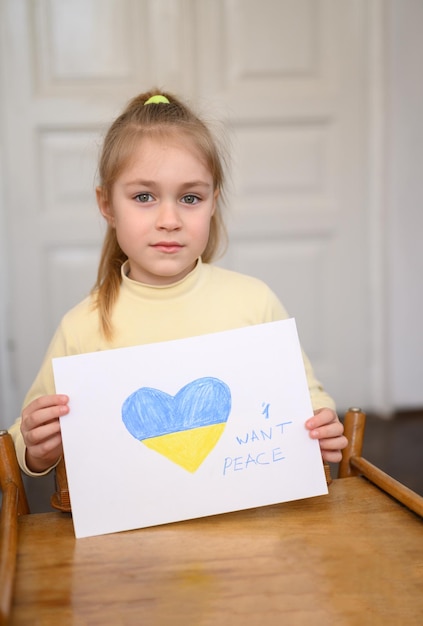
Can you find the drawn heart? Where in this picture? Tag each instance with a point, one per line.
(184, 428)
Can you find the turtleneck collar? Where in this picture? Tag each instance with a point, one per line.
(157, 292)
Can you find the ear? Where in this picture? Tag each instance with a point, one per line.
(215, 197)
(104, 206)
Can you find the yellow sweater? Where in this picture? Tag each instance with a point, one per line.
(208, 300)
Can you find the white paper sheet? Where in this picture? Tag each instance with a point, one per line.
(183, 429)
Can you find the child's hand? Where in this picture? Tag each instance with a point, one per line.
(40, 429)
(326, 427)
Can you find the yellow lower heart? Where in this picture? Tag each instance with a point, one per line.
(187, 448)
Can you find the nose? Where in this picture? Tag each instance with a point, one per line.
(168, 217)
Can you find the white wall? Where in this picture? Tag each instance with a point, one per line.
(6, 390)
(405, 198)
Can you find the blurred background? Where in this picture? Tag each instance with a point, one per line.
(319, 103)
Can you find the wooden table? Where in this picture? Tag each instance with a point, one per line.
(352, 557)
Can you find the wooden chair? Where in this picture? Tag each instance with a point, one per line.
(14, 503)
(60, 499)
(353, 464)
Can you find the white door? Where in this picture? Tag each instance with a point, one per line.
(288, 79)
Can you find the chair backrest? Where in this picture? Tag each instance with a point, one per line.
(14, 503)
(60, 499)
(354, 427)
(353, 464)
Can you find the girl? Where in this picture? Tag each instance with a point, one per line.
(161, 188)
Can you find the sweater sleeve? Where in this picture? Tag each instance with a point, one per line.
(319, 397)
(42, 385)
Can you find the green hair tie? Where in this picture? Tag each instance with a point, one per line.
(157, 100)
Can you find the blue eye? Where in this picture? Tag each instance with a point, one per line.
(190, 199)
(143, 197)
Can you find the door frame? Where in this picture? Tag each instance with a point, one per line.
(377, 54)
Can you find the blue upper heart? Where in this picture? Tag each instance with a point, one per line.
(150, 412)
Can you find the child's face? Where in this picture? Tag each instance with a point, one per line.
(161, 207)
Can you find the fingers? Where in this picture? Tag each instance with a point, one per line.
(37, 433)
(44, 402)
(331, 448)
(323, 417)
(328, 430)
(333, 443)
(44, 409)
(331, 456)
(40, 429)
(325, 424)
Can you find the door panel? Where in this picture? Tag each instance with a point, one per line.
(286, 79)
(289, 80)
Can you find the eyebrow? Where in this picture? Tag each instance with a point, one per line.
(152, 183)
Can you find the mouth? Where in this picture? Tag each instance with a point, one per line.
(168, 247)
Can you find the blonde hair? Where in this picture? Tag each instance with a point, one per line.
(136, 122)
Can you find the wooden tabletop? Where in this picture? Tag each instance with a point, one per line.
(352, 557)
